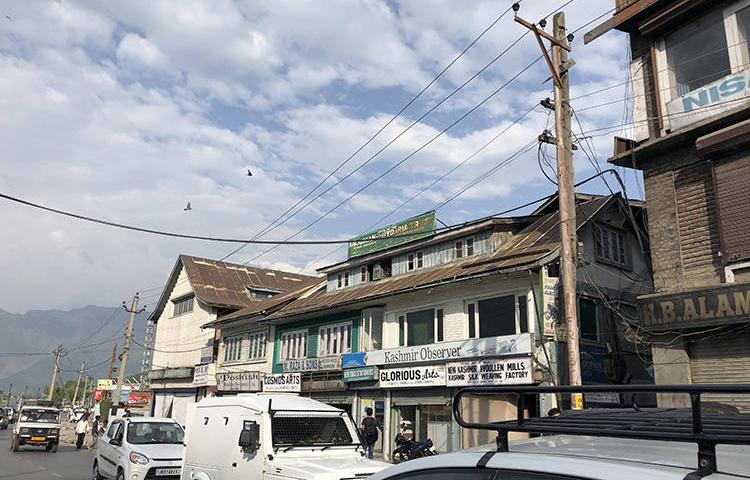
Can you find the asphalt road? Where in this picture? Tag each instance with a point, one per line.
(34, 463)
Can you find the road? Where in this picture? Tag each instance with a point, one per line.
(33, 463)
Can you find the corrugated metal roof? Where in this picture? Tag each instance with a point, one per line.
(537, 241)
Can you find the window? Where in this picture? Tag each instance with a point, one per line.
(294, 344)
(233, 348)
(610, 246)
(346, 279)
(420, 260)
(494, 317)
(401, 331)
(439, 325)
(372, 329)
(307, 430)
(410, 262)
(459, 248)
(471, 310)
(112, 430)
(469, 247)
(146, 433)
(335, 339)
(257, 341)
(588, 321)
(339, 280)
(183, 305)
(363, 274)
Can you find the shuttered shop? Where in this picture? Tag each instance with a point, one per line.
(724, 359)
(733, 196)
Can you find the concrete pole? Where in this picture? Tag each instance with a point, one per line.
(125, 350)
(78, 384)
(55, 369)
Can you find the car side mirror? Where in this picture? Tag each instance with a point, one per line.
(116, 442)
(250, 437)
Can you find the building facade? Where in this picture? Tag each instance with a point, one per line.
(691, 104)
(183, 368)
(401, 324)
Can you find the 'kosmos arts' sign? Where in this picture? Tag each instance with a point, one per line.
(713, 306)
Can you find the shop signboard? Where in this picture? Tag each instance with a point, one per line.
(238, 381)
(442, 352)
(406, 231)
(402, 377)
(312, 364)
(139, 399)
(104, 384)
(551, 312)
(361, 374)
(499, 371)
(708, 100)
(282, 382)
(201, 376)
(697, 308)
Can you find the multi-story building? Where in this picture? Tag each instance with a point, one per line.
(406, 320)
(199, 289)
(691, 107)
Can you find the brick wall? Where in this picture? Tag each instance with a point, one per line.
(682, 220)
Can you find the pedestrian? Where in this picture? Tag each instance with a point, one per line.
(81, 428)
(370, 427)
(95, 433)
(127, 413)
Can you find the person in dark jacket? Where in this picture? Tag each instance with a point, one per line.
(370, 427)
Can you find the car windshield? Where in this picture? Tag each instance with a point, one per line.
(40, 416)
(300, 431)
(140, 433)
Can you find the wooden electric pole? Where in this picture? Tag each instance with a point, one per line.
(78, 384)
(559, 66)
(58, 353)
(133, 310)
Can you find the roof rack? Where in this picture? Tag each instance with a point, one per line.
(693, 424)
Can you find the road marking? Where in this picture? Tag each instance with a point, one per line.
(56, 475)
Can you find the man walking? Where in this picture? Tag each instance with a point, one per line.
(95, 433)
(370, 427)
(81, 428)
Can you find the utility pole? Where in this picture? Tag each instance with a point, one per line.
(111, 372)
(10, 395)
(58, 353)
(86, 397)
(25, 394)
(133, 310)
(78, 384)
(559, 66)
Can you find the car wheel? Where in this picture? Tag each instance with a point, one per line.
(95, 475)
(120, 475)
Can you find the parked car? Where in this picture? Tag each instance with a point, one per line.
(37, 425)
(138, 448)
(265, 437)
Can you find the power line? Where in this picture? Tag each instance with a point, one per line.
(278, 221)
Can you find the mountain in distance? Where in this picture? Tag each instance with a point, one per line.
(87, 334)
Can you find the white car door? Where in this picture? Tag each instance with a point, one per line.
(107, 452)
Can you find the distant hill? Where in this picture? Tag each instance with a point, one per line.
(87, 333)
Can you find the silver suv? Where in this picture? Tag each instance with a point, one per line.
(624, 444)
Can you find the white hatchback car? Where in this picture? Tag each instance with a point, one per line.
(140, 448)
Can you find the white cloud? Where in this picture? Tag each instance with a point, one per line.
(141, 51)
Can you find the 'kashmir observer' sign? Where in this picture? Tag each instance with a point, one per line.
(442, 352)
(426, 376)
(514, 371)
(712, 306)
(392, 235)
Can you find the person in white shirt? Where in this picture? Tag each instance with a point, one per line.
(81, 428)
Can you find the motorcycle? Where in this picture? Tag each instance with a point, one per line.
(409, 449)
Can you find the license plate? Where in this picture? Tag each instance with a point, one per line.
(38, 439)
(161, 472)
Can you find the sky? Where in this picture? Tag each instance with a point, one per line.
(126, 111)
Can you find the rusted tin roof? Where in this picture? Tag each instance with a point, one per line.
(537, 243)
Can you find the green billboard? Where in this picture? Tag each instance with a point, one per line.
(392, 235)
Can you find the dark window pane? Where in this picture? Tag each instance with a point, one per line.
(472, 320)
(523, 315)
(697, 53)
(440, 325)
(459, 249)
(587, 316)
(497, 316)
(401, 330)
(421, 327)
(469, 247)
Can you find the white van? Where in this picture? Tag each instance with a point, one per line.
(264, 436)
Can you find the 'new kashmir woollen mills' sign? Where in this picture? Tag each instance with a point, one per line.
(392, 235)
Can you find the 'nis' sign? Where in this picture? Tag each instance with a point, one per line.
(715, 306)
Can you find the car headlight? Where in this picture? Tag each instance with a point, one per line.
(138, 458)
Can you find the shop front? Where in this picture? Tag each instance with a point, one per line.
(416, 385)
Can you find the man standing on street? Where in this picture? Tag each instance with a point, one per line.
(81, 428)
(94, 433)
(370, 427)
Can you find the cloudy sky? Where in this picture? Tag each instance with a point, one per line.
(128, 110)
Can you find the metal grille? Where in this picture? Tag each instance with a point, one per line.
(301, 430)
